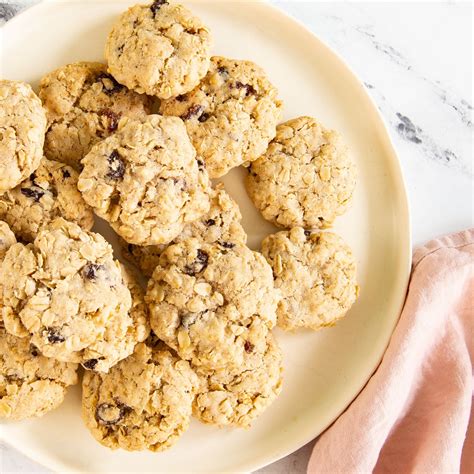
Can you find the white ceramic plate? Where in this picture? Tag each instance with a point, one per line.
(324, 371)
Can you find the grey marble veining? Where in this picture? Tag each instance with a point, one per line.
(9, 9)
(413, 133)
(416, 61)
(403, 124)
(355, 28)
(462, 107)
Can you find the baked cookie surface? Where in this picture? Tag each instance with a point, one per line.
(220, 224)
(7, 239)
(231, 116)
(145, 180)
(22, 127)
(30, 384)
(161, 49)
(84, 105)
(238, 398)
(144, 402)
(306, 177)
(139, 309)
(315, 274)
(212, 303)
(66, 292)
(49, 192)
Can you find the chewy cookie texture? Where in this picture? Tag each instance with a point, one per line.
(220, 224)
(22, 126)
(212, 303)
(227, 398)
(84, 104)
(230, 116)
(315, 274)
(7, 239)
(50, 192)
(160, 49)
(145, 180)
(139, 310)
(306, 177)
(30, 384)
(144, 402)
(66, 292)
(197, 340)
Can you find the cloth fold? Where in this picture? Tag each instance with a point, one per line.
(415, 414)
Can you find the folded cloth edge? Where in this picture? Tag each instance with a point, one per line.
(364, 462)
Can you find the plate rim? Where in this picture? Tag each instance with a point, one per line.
(405, 248)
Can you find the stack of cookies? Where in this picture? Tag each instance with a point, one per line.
(137, 142)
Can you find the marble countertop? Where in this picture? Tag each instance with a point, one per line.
(416, 61)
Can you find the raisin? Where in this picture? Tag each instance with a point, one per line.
(223, 71)
(307, 233)
(34, 350)
(35, 194)
(116, 166)
(90, 270)
(65, 173)
(249, 90)
(201, 164)
(54, 335)
(249, 347)
(203, 117)
(202, 256)
(152, 340)
(210, 222)
(249, 170)
(181, 98)
(110, 85)
(125, 408)
(191, 31)
(199, 264)
(13, 378)
(113, 119)
(156, 5)
(227, 245)
(110, 414)
(195, 109)
(90, 364)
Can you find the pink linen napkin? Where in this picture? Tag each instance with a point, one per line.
(413, 416)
